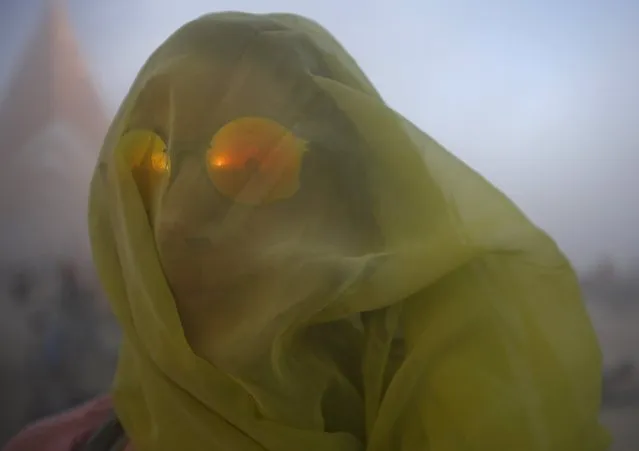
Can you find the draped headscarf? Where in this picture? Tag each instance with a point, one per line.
(295, 266)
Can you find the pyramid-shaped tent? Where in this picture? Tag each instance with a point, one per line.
(52, 123)
(51, 83)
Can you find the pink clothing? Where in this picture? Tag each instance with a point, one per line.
(65, 432)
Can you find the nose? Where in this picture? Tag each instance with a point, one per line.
(170, 227)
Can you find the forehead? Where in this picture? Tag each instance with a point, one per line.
(201, 91)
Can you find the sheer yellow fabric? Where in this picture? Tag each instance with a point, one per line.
(347, 284)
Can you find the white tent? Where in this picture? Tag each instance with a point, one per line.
(51, 126)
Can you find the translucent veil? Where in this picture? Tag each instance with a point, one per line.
(297, 267)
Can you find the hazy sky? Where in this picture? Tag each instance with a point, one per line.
(540, 96)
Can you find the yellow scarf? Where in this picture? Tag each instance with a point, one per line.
(458, 327)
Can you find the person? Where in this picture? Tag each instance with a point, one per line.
(294, 265)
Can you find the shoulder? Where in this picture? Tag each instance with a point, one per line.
(63, 432)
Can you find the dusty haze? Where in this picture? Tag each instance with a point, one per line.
(541, 97)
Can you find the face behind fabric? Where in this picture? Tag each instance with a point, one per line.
(227, 260)
(378, 237)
